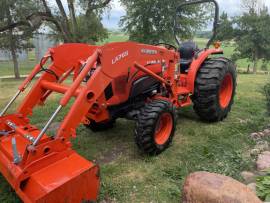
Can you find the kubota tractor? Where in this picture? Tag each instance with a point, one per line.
(145, 83)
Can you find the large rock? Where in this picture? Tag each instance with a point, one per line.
(262, 146)
(253, 187)
(248, 177)
(260, 135)
(263, 161)
(204, 187)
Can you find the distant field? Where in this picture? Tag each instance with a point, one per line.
(115, 37)
(129, 176)
(228, 52)
(6, 67)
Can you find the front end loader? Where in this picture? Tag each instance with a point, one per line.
(144, 83)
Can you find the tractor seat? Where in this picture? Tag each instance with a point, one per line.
(187, 52)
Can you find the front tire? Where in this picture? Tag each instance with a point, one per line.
(155, 127)
(215, 89)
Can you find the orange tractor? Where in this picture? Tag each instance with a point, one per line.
(145, 83)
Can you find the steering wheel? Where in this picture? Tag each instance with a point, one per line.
(167, 46)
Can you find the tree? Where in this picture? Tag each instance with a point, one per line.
(225, 29)
(252, 36)
(252, 5)
(14, 40)
(66, 25)
(151, 21)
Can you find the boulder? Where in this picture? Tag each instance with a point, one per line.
(262, 146)
(204, 187)
(263, 161)
(248, 177)
(260, 135)
(255, 152)
(253, 187)
(254, 136)
(266, 132)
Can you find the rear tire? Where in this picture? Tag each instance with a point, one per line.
(155, 127)
(215, 89)
(102, 126)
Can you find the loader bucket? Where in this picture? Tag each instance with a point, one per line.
(41, 168)
(73, 175)
(53, 172)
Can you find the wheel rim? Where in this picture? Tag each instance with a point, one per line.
(163, 128)
(226, 90)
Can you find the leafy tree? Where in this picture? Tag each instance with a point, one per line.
(225, 28)
(252, 36)
(249, 31)
(151, 21)
(66, 25)
(14, 40)
(254, 5)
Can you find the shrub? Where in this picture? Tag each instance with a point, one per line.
(267, 94)
(264, 67)
(263, 187)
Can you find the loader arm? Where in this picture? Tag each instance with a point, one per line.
(44, 168)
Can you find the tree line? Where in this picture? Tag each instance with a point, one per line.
(146, 21)
(250, 33)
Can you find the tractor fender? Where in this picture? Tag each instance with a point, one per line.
(196, 65)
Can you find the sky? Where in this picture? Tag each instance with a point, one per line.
(111, 20)
(112, 17)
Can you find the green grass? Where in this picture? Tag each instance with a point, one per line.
(25, 67)
(115, 37)
(129, 176)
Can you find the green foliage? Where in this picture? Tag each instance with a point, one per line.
(263, 187)
(13, 39)
(252, 36)
(91, 28)
(225, 29)
(264, 66)
(80, 24)
(151, 21)
(13, 11)
(85, 26)
(267, 95)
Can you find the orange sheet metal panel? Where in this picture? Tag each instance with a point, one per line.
(72, 179)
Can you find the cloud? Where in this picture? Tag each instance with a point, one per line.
(112, 18)
(231, 7)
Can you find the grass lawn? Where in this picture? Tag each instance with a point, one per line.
(25, 67)
(129, 176)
